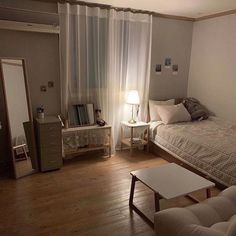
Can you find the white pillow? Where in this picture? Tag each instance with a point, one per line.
(173, 114)
(154, 116)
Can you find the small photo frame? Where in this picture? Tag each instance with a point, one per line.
(175, 69)
(50, 84)
(43, 88)
(168, 62)
(158, 69)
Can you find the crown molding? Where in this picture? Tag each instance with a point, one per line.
(224, 13)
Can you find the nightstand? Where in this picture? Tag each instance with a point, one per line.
(136, 138)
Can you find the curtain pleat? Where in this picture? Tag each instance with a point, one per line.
(104, 53)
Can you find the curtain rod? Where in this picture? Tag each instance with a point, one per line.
(106, 6)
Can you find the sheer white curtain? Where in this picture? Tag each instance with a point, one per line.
(104, 53)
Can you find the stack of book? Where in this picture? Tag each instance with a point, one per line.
(136, 141)
(82, 114)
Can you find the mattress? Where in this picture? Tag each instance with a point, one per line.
(209, 146)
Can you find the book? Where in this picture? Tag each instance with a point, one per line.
(90, 112)
(136, 140)
(73, 117)
(79, 115)
(86, 114)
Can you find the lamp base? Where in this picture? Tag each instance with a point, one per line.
(132, 121)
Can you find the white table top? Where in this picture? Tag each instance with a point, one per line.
(137, 124)
(88, 127)
(171, 180)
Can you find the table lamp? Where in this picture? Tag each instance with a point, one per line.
(132, 99)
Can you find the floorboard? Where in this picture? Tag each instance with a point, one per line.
(88, 196)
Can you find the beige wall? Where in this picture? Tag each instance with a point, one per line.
(42, 64)
(40, 50)
(212, 77)
(171, 38)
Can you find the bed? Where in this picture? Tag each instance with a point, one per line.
(208, 146)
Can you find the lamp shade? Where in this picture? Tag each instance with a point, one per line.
(132, 97)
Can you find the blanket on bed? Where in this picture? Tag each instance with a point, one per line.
(209, 146)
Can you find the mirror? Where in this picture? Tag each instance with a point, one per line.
(20, 119)
(81, 115)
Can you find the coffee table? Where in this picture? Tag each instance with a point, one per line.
(168, 181)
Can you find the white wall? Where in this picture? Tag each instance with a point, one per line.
(171, 38)
(212, 76)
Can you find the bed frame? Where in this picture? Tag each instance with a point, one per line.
(158, 150)
(169, 156)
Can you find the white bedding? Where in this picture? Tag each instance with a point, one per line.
(209, 146)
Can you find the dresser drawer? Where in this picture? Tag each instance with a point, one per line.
(49, 134)
(50, 160)
(50, 128)
(48, 141)
(51, 164)
(53, 151)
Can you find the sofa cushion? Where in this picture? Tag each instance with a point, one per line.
(221, 227)
(198, 230)
(227, 227)
(232, 227)
(213, 217)
(213, 210)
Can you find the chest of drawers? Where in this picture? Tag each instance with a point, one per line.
(49, 140)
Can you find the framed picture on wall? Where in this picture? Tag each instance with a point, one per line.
(175, 69)
(168, 62)
(158, 69)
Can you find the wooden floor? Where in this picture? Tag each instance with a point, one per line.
(88, 196)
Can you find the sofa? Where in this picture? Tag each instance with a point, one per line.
(215, 216)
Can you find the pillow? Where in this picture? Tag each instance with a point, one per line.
(196, 109)
(173, 113)
(154, 116)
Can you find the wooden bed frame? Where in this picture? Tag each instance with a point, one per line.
(158, 151)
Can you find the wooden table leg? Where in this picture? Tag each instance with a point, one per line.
(110, 142)
(131, 197)
(121, 137)
(208, 192)
(148, 139)
(132, 205)
(157, 201)
(131, 140)
(109, 151)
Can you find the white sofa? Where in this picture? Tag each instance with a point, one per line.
(213, 217)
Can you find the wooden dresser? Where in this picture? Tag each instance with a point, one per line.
(49, 140)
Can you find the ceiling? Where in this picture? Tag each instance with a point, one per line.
(187, 8)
